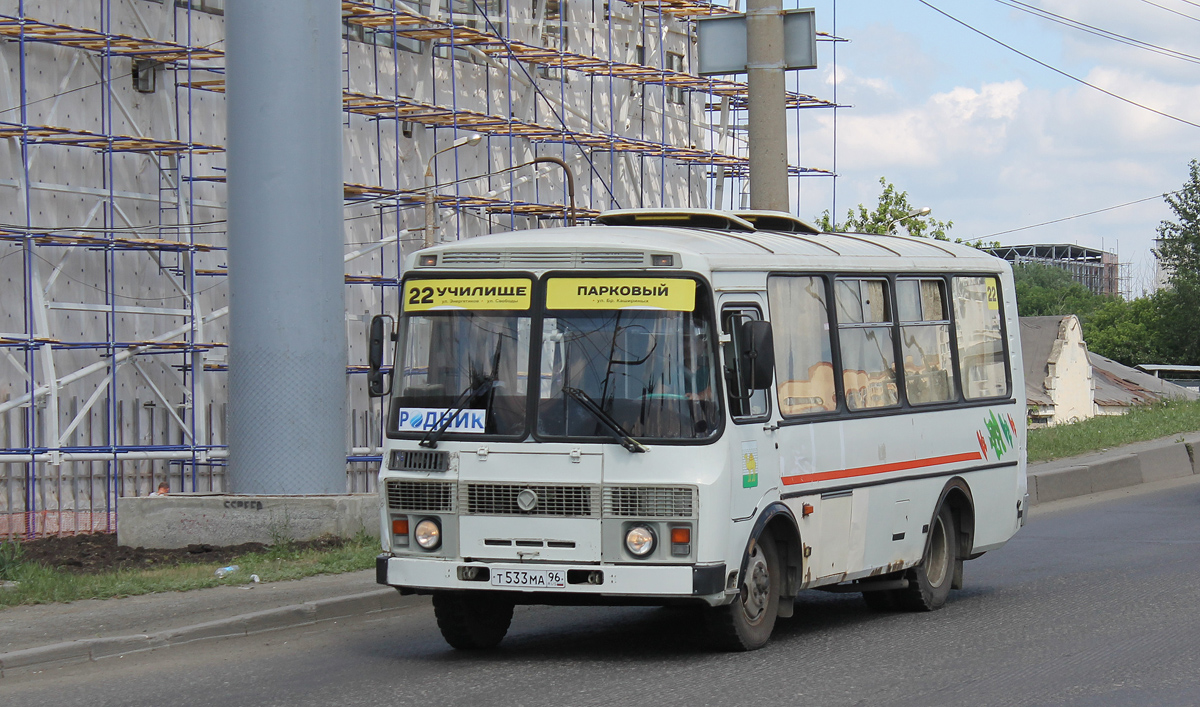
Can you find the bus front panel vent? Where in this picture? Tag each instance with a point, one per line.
(420, 496)
(419, 460)
(473, 260)
(612, 260)
(649, 502)
(530, 500)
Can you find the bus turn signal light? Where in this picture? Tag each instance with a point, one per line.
(681, 541)
(400, 527)
(806, 510)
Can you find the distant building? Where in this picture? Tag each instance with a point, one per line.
(1097, 270)
(1064, 382)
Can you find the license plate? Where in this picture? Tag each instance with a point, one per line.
(531, 579)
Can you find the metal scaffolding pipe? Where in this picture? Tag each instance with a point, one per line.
(287, 357)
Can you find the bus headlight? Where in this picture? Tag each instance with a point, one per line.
(428, 534)
(639, 540)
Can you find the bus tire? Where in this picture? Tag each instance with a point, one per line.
(472, 621)
(746, 623)
(929, 582)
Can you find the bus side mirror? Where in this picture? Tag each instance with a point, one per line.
(757, 354)
(379, 384)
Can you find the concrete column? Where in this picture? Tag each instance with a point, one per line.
(767, 119)
(287, 357)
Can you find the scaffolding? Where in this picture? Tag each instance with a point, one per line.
(113, 246)
(1100, 271)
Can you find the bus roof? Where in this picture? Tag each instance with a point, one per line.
(631, 246)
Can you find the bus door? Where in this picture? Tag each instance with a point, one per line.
(755, 452)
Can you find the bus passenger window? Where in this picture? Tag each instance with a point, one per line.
(803, 352)
(925, 341)
(977, 318)
(865, 332)
(742, 403)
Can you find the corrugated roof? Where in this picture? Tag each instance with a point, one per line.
(1121, 385)
(1038, 335)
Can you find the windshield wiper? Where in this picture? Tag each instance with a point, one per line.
(434, 434)
(585, 401)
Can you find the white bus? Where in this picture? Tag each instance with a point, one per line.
(696, 407)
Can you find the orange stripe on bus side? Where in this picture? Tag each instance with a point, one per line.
(880, 468)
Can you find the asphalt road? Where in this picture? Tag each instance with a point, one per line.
(1096, 602)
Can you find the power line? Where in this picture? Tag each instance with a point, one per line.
(1102, 33)
(1089, 213)
(1177, 12)
(1039, 62)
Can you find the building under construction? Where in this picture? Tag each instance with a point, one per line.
(114, 304)
(1098, 270)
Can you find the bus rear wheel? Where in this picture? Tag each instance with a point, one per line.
(929, 583)
(746, 623)
(470, 621)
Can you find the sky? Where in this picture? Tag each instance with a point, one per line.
(991, 140)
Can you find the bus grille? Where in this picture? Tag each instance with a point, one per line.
(419, 460)
(425, 496)
(502, 500)
(649, 502)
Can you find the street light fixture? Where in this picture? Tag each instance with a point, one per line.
(429, 185)
(568, 212)
(923, 211)
(568, 219)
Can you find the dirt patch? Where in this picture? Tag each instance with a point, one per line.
(99, 553)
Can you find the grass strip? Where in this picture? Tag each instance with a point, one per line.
(38, 584)
(1140, 424)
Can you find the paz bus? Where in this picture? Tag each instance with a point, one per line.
(697, 407)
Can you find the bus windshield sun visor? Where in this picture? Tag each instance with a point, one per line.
(471, 392)
(585, 401)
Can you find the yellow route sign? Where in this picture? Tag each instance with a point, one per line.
(993, 294)
(672, 294)
(489, 293)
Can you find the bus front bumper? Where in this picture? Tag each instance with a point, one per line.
(650, 582)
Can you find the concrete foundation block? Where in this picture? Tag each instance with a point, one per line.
(1062, 483)
(184, 519)
(1116, 473)
(1194, 453)
(1169, 462)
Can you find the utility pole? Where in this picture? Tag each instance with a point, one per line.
(287, 311)
(767, 103)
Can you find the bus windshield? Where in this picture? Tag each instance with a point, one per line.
(473, 360)
(651, 373)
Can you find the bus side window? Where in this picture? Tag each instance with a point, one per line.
(803, 349)
(977, 321)
(742, 403)
(865, 331)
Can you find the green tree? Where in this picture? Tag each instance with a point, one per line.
(1179, 250)
(1127, 332)
(888, 216)
(1044, 290)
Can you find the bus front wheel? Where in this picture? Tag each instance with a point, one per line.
(747, 622)
(929, 583)
(472, 620)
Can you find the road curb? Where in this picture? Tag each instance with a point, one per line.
(1069, 478)
(92, 649)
